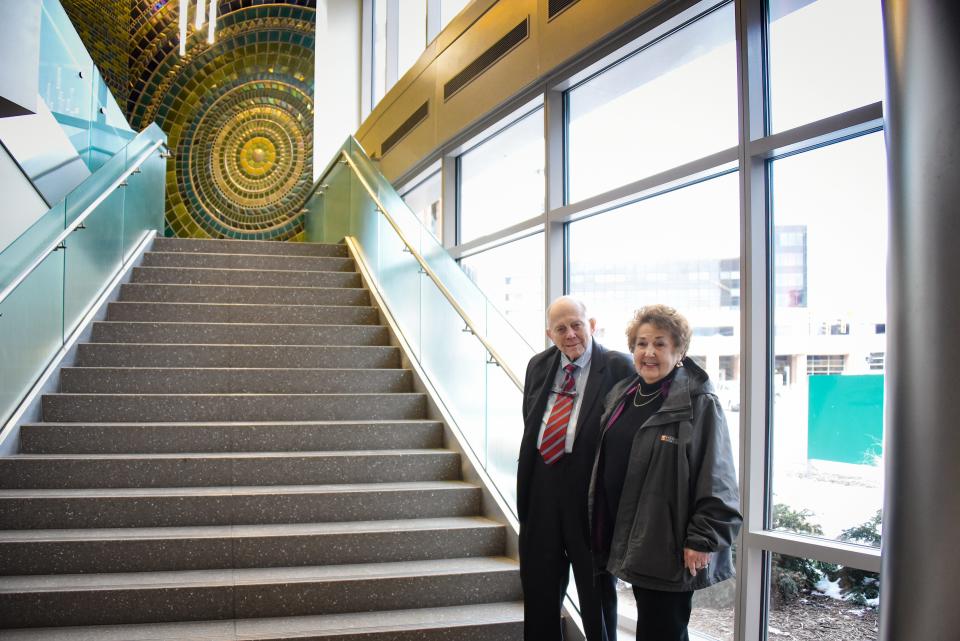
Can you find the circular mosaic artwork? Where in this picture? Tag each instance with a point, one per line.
(238, 114)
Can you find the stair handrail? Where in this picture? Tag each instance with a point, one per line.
(491, 350)
(57, 242)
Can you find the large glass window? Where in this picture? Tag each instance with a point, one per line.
(424, 200)
(829, 318)
(501, 179)
(379, 78)
(412, 33)
(669, 104)
(449, 9)
(826, 57)
(835, 601)
(682, 249)
(511, 276)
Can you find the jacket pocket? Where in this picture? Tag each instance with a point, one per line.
(652, 549)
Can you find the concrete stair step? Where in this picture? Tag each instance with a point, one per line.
(267, 247)
(53, 471)
(256, 356)
(255, 277)
(237, 313)
(238, 333)
(482, 622)
(193, 408)
(243, 294)
(248, 261)
(232, 505)
(155, 597)
(232, 380)
(121, 438)
(85, 551)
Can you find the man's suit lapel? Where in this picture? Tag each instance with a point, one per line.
(535, 417)
(598, 363)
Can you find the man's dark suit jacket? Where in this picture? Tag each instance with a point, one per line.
(606, 368)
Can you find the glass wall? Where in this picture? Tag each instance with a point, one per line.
(501, 179)
(829, 253)
(670, 103)
(511, 276)
(674, 189)
(424, 198)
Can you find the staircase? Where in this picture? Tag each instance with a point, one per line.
(238, 454)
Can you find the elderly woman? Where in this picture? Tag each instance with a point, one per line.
(664, 504)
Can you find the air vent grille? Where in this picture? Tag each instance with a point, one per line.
(488, 58)
(556, 7)
(408, 125)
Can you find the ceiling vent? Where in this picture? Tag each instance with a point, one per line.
(488, 58)
(556, 7)
(408, 125)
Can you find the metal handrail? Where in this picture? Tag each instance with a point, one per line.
(55, 244)
(499, 360)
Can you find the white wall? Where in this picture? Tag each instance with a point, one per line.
(336, 78)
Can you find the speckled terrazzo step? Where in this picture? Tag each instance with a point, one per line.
(168, 355)
(243, 294)
(482, 622)
(238, 333)
(268, 247)
(235, 313)
(54, 471)
(142, 597)
(258, 277)
(144, 380)
(26, 552)
(248, 261)
(119, 438)
(193, 408)
(194, 506)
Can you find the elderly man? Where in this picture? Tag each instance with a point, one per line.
(563, 397)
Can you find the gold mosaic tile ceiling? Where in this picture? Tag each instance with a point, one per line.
(238, 113)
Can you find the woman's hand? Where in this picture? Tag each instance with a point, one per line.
(695, 561)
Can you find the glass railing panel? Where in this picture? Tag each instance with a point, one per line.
(398, 275)
(335, 206)
(94, 255)
(143, 203)
(508, 342)
(464, 291)
(109, 131)
(66, 75)
(19, 254)
(93, 187)
(455, 362)
(504, 431)
(365, 222)
(31, 327)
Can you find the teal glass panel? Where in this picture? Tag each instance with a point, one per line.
(398, 275)
(31, 331)
(66, 76)
(93, 257)
(109, 131)
(93, 187)
(365, 222)
(18, 255)
(508, 342)
(313, 218)
(845, 421)
(504, 431)
(464, 291)
(143, 203)
(337, 208)
(455, 361)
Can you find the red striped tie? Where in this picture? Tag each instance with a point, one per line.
(555, 435)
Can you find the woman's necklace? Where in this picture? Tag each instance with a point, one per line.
(651, 397)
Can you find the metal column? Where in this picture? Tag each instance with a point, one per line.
(921, 558)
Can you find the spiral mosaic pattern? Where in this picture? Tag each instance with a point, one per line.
(238, 115)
